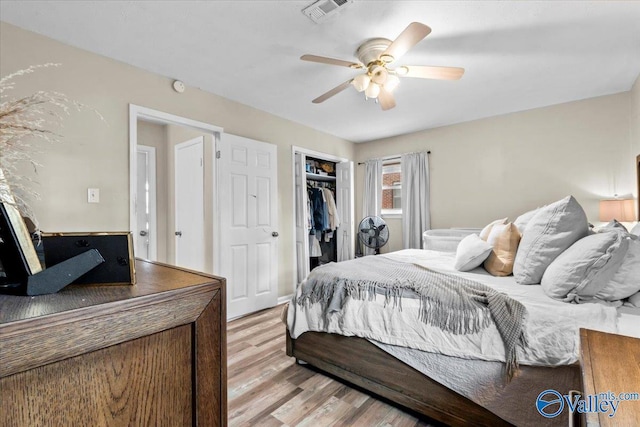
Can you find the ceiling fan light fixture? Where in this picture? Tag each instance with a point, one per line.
(391, 83)
(372, 91)
(402, 71)
(361, 82)
(379, 74)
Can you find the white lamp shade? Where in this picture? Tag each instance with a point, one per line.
(372, 91)
(379, 74)
(391, 83)
(361, 82)
(619, 209)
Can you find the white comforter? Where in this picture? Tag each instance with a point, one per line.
(551, 326)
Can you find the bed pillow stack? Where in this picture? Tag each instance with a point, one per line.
(549, 232)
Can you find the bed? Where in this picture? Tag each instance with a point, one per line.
(426, 371)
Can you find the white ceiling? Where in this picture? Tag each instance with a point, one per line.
(518, 55)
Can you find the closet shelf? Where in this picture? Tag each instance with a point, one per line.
(318, 177)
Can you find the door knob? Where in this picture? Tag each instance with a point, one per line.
(178, 233)
(143, 233)
(275, 234)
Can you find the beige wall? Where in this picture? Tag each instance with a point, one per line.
(502, 166)
(96, 154)
(155, 135)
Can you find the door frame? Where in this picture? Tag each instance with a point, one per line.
(137, 112)
(307, 152)
(153, 225)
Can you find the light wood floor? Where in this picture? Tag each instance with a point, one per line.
(267, 388)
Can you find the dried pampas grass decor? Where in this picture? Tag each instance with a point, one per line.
(24, 124)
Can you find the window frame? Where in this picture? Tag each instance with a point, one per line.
(391, 166)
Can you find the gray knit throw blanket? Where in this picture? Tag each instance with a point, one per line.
(452, 303)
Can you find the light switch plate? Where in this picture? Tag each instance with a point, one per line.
(93, 195)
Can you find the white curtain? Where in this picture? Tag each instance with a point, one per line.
(372, 194)
(416, 217)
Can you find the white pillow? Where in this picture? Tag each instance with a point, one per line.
(471, 252)
(626, 280)
(586, 267)
(636, 229)
(484, 234)
(549, 233)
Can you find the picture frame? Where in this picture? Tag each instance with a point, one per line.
(116, 248)
(17, 253)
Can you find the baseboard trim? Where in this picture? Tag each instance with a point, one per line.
(284, 299)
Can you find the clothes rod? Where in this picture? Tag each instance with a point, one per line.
(390, 158)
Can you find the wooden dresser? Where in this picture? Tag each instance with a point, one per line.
(610, 365)
(153, 354)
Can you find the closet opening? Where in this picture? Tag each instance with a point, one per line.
(323, 210)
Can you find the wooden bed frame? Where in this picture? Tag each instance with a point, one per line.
(384, 375)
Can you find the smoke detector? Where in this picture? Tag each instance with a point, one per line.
(321, 10)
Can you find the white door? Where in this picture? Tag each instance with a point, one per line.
(248, 195)
(145, 233)
(302, 229)
(189, 204)
(344, 202)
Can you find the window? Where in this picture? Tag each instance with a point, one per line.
(391, 188)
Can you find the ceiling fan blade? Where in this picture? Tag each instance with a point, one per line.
(406, 40)
(387, 102)
(331, 61)
(332, 92)
(429, 72)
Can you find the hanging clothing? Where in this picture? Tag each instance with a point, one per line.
(332, 209)
(320, 215)
(309, 215)
(314, 246)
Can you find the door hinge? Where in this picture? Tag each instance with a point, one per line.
(218, 154)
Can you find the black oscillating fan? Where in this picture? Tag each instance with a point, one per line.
(373, 232)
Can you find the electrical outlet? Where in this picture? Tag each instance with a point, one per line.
(93, 195)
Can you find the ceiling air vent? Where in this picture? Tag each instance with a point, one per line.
(323, 9)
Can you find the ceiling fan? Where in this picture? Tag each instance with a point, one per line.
(375, 57)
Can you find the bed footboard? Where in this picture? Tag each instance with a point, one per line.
(359, 362)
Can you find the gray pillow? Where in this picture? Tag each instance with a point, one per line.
(586, 267)
(522, 221)
(471, 252)
(614, 224)
(550, 232)
(626, 280)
